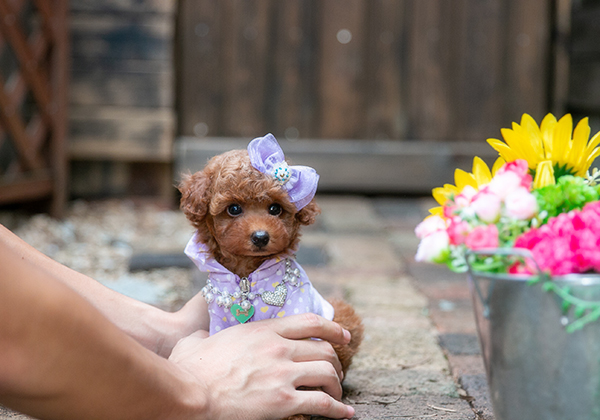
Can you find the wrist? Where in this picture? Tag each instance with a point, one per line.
(189, 319)
(191, 398)
(159, 331)
(170, 327)
(162, 330)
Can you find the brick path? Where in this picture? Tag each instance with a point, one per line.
(421, 357)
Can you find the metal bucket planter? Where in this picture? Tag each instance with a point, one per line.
(535, 368)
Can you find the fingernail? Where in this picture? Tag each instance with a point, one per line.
(347, 335)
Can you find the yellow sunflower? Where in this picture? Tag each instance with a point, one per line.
(549, 149)
(481, 175)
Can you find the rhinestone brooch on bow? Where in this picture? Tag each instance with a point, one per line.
(282, 173)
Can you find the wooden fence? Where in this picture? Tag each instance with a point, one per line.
(122, 116)
(454, 70)
(33, 91)
(584, 61)
(450, 71)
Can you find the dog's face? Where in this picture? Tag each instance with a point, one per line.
(252, 226)
(240, 212)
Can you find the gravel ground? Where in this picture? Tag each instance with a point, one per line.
(99, 238)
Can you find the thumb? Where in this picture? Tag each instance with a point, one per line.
(200, 334)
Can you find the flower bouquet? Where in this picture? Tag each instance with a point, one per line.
(539, 196)
(531, 220)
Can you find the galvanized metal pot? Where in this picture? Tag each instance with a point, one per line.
(536, 370)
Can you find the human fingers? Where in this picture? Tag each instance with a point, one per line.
(314, 402)
(318, 374)
(202, 334)
(309, 325)
(195, 336)
(187, 345)
(314, 350)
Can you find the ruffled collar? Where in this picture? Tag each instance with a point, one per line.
(198, 252)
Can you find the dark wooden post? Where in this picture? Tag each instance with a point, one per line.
(33, 103)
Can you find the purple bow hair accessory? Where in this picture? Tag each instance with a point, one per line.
(299, 181)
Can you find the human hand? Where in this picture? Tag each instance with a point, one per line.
(254, 370)
(165, 329)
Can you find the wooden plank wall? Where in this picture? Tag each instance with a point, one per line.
(361, 69)
(584, 64)
(122, 118)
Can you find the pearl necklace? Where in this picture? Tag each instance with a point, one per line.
(245, 309)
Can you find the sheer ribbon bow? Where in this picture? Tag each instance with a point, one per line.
(300, 182)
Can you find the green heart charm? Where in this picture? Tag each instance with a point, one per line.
(240, 314)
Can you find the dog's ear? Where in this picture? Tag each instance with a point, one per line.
(194, 190)
(309, 213)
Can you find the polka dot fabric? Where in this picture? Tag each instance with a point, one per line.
(301, 297)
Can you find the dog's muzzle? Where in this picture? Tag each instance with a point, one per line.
(260, 238)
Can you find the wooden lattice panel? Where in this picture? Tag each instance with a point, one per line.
(33, 99)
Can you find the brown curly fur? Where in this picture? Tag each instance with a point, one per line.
(230, 178)
(227, 179)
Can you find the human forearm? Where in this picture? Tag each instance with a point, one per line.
(60, 358)
(155, 329)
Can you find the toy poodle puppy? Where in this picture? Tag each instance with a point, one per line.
(247, 207)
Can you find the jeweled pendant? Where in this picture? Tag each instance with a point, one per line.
(277, 297)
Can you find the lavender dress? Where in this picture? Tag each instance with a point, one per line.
(279, 287)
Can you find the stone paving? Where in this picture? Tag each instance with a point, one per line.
(420, 357)
(401, 371)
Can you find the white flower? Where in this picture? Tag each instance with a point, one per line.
(487, 206)
(434, 247)
(429, 225)
(505, 183)
(521, 204)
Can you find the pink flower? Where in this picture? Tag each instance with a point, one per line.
(593, 207)
(568, 243)
(554, 256)
(434, 247)
(591, 212)
(458, 230)
(487, 206)
(562, 224)
(521, 169)
(430, 225)
(482, 237)
(450, 210)
(510, 177)
(463, 199)
(521, 204)
(520, 268)
(584, 243)
(534, 236)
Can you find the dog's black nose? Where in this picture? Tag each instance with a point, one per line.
(260, 238)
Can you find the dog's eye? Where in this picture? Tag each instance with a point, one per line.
(234, 210)
(275, 209)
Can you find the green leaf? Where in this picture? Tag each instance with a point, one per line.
(579, 312)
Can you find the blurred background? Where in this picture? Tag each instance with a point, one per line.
(114, 98)
(104, 103)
